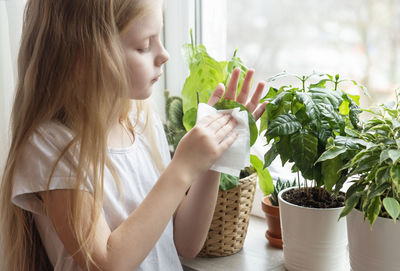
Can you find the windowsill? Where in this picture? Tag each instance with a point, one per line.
(256, 254)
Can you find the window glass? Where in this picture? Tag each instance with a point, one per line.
(359, 39)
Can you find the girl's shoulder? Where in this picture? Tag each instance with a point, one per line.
(49, 137)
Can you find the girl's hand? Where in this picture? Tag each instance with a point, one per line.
(242, 98)
(201, 147)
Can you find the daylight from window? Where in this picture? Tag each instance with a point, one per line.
(358, 39)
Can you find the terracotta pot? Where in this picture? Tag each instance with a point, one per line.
(273, 234)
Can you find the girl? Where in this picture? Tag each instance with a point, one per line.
(88, 183)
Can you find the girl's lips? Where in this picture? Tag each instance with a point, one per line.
(156, 78)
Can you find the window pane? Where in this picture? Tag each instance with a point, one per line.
(359, 39)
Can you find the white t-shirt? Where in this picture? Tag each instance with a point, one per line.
(137, 173)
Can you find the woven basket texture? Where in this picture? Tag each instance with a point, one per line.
(230, 221)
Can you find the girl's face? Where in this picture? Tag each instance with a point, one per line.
(144, 53)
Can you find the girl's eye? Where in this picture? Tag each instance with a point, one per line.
(144, 49)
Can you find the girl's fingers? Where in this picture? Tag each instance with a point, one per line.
(255, 99)
(217, 94)
(225, 130)
(244, 92)
(219, 123)
(207, 120)
(233, 84)
(228, 141)
(259, 111)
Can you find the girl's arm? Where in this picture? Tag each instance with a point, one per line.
(193, 218)
(127, 246)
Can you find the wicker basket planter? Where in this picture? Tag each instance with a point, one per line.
(230, 221)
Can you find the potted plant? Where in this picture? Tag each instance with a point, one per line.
(270, 206)
(301, 122)
(372, 201)
(235, 196)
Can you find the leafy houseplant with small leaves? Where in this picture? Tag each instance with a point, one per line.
(375, 193)
(301, 122)
(375, 164)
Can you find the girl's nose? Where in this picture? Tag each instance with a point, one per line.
(162, 57)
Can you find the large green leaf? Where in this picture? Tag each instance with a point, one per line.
(264, 177)
(270, 155)
(236, 62)
(304, 146)
(204, 77)
(312, 110)
(285, 124)
(322, 96)
(330, 172)
(189, 118)
(228, 104)
(392, 206)
(284, 149)
(331, 153)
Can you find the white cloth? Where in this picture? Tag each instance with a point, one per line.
(237, 156)
(137, 173)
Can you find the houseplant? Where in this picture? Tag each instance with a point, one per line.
(372, 201)
(301, 122)
(270, 206)
(235, 197)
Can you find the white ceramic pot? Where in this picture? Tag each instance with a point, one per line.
(313, 239)
(373, 250)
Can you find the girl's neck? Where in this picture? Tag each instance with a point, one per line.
(120, 136)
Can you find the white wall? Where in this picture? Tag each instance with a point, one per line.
(10, 31)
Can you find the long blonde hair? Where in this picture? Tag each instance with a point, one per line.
(71, 70)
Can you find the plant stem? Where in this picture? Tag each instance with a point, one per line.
(298, 179)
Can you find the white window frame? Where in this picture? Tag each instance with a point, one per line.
(208, 19)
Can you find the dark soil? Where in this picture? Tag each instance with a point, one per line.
(315, 198)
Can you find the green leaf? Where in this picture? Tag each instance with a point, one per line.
(228, 104)
(382, 174)
(344, 108)
(263, 122)
(304, 145)
(395, 174)
(331, 153)
(285, 124)
(392, 206)
(312, 110)
(270, 155)
(384, 156)
(351, 202)
(394, 155)
(264, 177)
(374, 209)
(204, 77)
(284, 149)
(355, 98)
(189, 119)
(377, 190)
(330, 173)
(228, 182)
